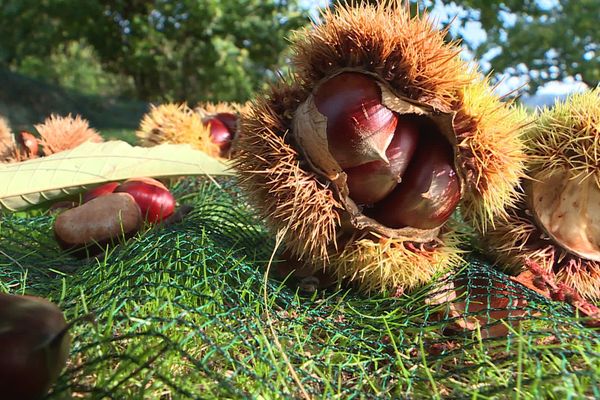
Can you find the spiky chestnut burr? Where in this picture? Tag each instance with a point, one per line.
(63, 133)
(34, 346)
(175, 123)
(209, 128)
(374, 90)
(557, 223)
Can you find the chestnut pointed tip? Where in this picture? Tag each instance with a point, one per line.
(359, 126)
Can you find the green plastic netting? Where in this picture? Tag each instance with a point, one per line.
(184, 312)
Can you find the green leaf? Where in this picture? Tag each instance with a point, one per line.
(35, 181)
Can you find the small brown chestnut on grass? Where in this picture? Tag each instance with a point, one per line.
(153, 198)
(91, 227)
(111, 212)
(34, 346)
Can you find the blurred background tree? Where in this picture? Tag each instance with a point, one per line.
(152, 50)
(539, 40)
(163, 50)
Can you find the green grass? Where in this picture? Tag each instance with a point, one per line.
(185, 311)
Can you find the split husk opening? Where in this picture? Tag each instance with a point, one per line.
(309, 131)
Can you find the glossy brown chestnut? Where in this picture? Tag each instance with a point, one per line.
(220, 134)
(153, 198)
(34, 346)
(29, 143)
(230, 120)
(359, 126)
(429, 192)
(101, 190)
(371, 182)
(403, 146)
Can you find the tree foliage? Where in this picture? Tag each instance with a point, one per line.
(183, 50)
(224, 49)
(540, 41)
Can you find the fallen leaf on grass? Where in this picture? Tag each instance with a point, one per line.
(32, 182)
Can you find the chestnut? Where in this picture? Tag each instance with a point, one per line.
(89, 228)
(154, 199)
(34, 346)
(429, 192)
(359, 126)
(229, 119)
(101, 190)
(403, 146)
(371, 182)
(29, 143)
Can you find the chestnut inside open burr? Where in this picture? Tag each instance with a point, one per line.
(222, 130)
(399, 167)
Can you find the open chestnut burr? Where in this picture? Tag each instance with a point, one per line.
(361, 158)
(556, 224)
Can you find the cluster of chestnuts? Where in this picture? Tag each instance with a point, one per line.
(362, 157)
(34, 346)
(112, 212)
(399, 168)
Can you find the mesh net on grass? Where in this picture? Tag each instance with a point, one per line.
(184, 311)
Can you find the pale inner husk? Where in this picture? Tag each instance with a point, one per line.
(309, 129)
(568, 210)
